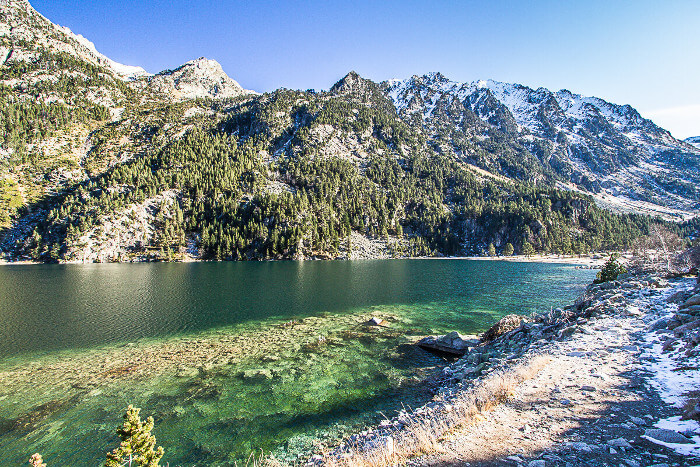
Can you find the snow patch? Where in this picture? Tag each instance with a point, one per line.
(680, 426)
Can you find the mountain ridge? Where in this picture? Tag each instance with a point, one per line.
(590, 142)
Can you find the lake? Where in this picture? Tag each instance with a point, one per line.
(232, 357)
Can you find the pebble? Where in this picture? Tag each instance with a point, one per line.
(536, 463)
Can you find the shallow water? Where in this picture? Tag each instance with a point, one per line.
(210, 351)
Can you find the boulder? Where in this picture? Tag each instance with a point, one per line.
(692, 413)
(660, 323)
(453, 343)
(619, 443)
(694, 300)
(678, 297)
(680, 330)
(503, 326)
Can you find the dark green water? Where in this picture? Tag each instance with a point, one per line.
(64, 325)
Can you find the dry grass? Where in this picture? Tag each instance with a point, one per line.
(260, 460)
(424, 434)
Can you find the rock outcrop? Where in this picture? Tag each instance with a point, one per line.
(198, 78)
(452, 343)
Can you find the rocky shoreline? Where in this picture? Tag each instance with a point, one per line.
(620, 387)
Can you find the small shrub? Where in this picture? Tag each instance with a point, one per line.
(611, 269)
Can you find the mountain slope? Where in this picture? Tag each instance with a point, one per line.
(67, 112)
(543, 136)
(25, 32)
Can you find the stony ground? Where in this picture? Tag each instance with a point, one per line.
(621, 367)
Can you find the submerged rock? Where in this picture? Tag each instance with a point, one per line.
(375, 322)
(453, 343)
(257, 374)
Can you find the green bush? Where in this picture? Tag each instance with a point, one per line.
(611, 269)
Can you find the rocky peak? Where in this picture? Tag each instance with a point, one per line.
(360, 89)
(351, 83)
(197, 78)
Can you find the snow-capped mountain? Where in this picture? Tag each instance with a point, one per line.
(583, 142)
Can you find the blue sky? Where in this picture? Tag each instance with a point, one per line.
(642, 53)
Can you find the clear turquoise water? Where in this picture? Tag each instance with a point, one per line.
(322, 378)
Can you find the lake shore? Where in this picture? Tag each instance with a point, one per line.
(593, 260)
(605, 381)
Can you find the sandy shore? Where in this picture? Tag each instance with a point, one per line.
(592, 260)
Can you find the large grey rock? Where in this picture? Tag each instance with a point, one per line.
(678, 297)
(580, 446)
(452, 343)
(680, 330)
(660, 323)
(666, 436)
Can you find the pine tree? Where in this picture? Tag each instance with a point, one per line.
(508, 250)
(492, 250)
(137, 443)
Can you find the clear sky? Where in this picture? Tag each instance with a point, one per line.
(643, 53)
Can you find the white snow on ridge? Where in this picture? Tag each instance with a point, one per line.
(126, 72)
(522, 101)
